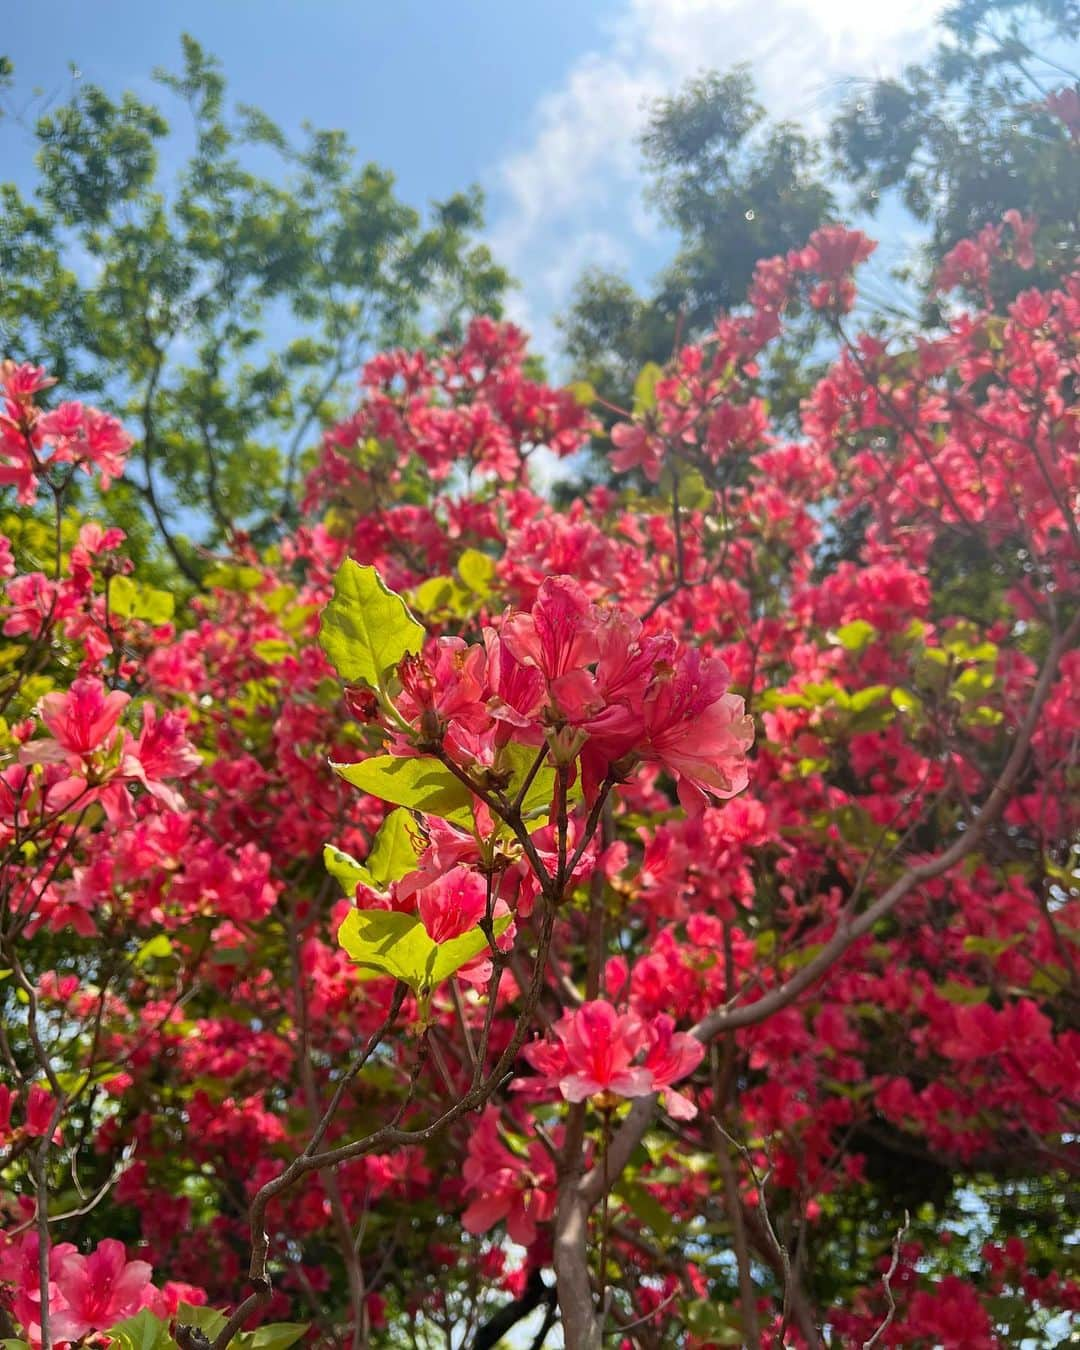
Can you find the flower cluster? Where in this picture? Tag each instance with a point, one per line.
(33, 442)
(591, 682)
(87, 1294)
(595, 1053)
(527, 906)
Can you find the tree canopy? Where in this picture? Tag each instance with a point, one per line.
(223, 311)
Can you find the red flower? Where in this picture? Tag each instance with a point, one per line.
(81, 720)
(558, 636)
(453, 905)
(100, 1290)
(506, 1186)
(698, 731)
(672, 1055)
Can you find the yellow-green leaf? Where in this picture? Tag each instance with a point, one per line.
(272, 650)
(422, 784)
(366, 629)
(854, 636)
(345, 870)
(645, 387)
(398, 945)
(396, 849)
(476, 570)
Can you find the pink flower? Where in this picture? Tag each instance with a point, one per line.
(82, 719)
(673, 1055)
(446, 848)
(1023, 237)
(7, 1101)
(1065, 104)
(634, 446)
(162, 751)
(444, 687)
(516, 690)
(558, 636)
(100, 1290)
(453, 905)
(595, 1050)
(19, 1268)
(600, 1045)
(40, 1105)
(698, 731)
(86, 436)
(505, 1186)
(21, 383)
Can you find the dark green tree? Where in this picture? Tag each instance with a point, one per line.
(736, 188)
(223, 313)
(969, 135)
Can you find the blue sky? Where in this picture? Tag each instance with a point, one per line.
(538, 101)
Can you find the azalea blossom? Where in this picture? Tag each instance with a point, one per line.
(596, 1049)
(505, 1186)
(98, 1290)
(698, 731)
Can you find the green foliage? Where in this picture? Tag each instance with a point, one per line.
(146, 1331)
(736, 189)
(448, 599)
(388, 943)
(169, 313)
(966, 135)
(393, 855)
(366, 628)
(422, 784)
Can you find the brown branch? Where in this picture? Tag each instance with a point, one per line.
(889, 1274)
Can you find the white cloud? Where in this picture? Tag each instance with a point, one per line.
(572, 194)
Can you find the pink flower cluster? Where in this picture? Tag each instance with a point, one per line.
(90, 758)
(86, 1293)
(505, 1185)
(593, 682)
(596, 1050)
(32, 441)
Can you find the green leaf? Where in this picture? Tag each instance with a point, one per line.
(476, 570)
(396, 849)
(854, 636)
(982, 716)
(154, 605)
(516, 761)
(582, 392)
(366, 629)
(273, 1336)
(272, 650)
(645, 1206)
(988, 946)
(398, 945)
(713, 1322)
(208, 1320)
(233, 577)
(966, 994)
(866, 698)
(122, 595)
(144, 1331)
(129, 600)
(441, 595)
(645, 387)
(422, 784)
(904, 700)
(157, 948)
(345, 870)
